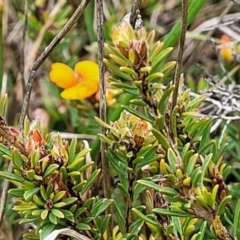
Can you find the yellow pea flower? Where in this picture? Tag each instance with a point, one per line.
(226, 49)
(78, 84)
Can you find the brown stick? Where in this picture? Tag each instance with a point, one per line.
(134, 12)
(103, 106)
(180, 52)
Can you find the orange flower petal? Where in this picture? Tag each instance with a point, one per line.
(88, 71)
(80, 91)
(225, 39)
(62, 75)
(225, 51)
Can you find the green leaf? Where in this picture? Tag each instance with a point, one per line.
(68, 215)
(138, 114)
(116, 71)
(172, 159)
(59, 205)
(38, 200)
(104, 223)
(79, 211)
(120, 217)
(29, 193)
(118, 166)
(147, 160)
(163, 103)
(146, 156)
(70, 200)
(5, 150)
(49, 190)
(185, 150)
(186, 158)
(90, 180)
(28, 220)
(34, 158)
(192, 164)
(127, 88)
(50, 170)
(138, 102)
(196, 177)
(72, 149)
(37, 212)
(17, 159)
(46, 230)
(161, 139)
(177, 226)
(83, 227)
(102, 123)
(57, 213)
(43, 193)
(74, 174)
(101, 206)
(202, 231)
(59, 196)
(75, 162)
(86, 166)
(16, 192)
(145, 218)
(205, 165)
(170, 212)
(30, 174)
(52, 218)
(81, 154)
(11, 177)
(117, 155)
(164, 190)
(159, 58)
(123, 189)
(136, 227)
(44, 214)
(79, 186)
(222, 205)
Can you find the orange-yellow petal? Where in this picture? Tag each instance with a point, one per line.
(88, 71)
(80, 91)
(62, 75)
(226, 51)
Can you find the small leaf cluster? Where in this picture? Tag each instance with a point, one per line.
(53, 181)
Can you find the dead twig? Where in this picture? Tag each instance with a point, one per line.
(180, 53)
(102, 105)
(4, 194)
(22, 56)
(134, 13)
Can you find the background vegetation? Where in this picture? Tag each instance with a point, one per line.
(205, 66)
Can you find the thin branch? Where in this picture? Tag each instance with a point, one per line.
(4, 194)
(134, 13)
(1, 41)
(77, 14)
(102, 103)
(22, 60)
(6, 183)
(180, 52)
